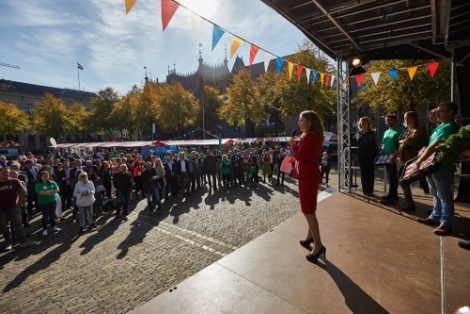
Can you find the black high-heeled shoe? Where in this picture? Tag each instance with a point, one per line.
(313, 258)
(306, 243)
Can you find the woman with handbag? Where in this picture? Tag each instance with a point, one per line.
(367, 151)
(412, 139)
(84, 192)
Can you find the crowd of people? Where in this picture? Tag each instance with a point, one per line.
(89, 183)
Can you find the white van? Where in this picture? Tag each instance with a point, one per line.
(9, 153)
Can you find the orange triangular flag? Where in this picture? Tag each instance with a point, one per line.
(432, 67)
(412, 71)
(322, 77)
(327, 80)
(359, 79)
(129, 5)
(236, 43)
(290, 68)
(299, 72)
(253, 52)
(168, 10)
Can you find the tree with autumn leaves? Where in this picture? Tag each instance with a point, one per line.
(403, 93)
(13, 120)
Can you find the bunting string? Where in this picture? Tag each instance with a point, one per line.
(169, 8)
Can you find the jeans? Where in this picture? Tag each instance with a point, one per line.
(82, 211)
(14, 216)
(392, 173)
(153, 190)
(440, 186)
(48, 214)
(123, 197)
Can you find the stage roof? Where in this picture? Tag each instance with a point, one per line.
(383, 29)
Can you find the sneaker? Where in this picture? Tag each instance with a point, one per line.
(443, 230)
(80, 230)
(27, 243)
(8, 247)
(93, 225)
(44, 232)
(464, 245)
(56, 229)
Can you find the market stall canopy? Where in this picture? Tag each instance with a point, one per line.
(7, 144)
(382, 29)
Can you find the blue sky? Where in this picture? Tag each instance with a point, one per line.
(46, 38)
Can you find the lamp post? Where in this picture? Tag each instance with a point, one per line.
(203, 121)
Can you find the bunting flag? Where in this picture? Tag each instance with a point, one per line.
(290, 68)
(267, 59)
(299, 72)
(327, 80)
(332, 80)
(168, 10)
(279, 62)
(129, 5)
(236, 43)
(314, 77)
(217, 33)
(359, 79)
(196, 23)
(432, 67)
(375, 76)
(412, 71)
(253, 51)
(322, 77)
(393, 74)
(307, 74)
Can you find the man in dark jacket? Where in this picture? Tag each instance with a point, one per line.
(210, 169)
(123, 183)
(170, 176)
(182, 170)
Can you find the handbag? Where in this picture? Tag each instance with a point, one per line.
(427, 166)
(383, 159)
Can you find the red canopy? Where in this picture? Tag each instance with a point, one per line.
(159, 144)
(6, 144)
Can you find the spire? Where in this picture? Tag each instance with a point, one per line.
(168, 69)
(174, 66)
(200, 55)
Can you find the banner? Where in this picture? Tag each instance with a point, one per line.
(279, 63)
(168, 10)
(253, 52)
(129, 4)
(217, 33)
(236, 43)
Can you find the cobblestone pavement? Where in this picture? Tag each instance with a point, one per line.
(127, 261)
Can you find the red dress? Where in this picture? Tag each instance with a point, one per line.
(306, 154)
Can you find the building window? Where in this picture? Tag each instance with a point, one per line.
(28, 108)
(31, 139)
(42, 139)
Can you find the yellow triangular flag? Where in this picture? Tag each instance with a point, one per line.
(290, 68)
(236, 43)
(412, 71)
(129, 5)
(322, 76)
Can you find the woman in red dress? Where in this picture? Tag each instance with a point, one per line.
(307, 171)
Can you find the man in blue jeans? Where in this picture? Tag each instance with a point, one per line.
(123, 183)
(149, 180)
(390, 146)
(440, 182)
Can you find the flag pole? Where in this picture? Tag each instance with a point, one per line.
(78, 72)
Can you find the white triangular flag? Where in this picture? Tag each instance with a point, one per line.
(332, 80)
(196, 23)
(267, 59)
(375, 77)
(307, 72)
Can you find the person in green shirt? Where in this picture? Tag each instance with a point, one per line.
(440, 182)
(390, 145)
(47, 190)
(225, 165)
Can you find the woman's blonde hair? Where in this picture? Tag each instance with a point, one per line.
(360, 123)
(316, 125)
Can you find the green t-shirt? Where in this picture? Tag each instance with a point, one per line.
(46, 199)
(441, 133)
(390, 139)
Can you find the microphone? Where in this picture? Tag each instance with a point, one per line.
(293, 133)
